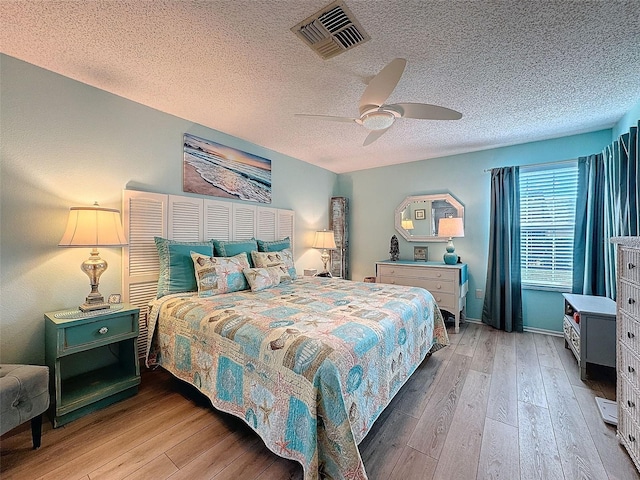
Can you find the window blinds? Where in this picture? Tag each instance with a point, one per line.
(547, 218)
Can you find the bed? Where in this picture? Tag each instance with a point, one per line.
(309, 364)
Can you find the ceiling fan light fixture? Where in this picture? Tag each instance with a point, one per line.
(379, 120)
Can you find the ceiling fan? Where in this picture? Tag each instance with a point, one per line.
(377, 116)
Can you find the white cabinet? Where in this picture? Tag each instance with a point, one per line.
(447, 283)
(628, 345)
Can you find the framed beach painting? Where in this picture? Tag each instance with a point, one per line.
(210, 168)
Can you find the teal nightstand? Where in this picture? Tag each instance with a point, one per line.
(92, 359)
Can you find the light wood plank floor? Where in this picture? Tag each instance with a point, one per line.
(492, 405)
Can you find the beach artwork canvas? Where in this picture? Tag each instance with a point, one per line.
(221, 171)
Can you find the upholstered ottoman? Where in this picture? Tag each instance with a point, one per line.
(24, 395)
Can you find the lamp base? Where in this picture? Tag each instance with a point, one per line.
(450, 258)
(89, 307)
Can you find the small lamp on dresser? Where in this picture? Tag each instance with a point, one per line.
(93, 227)
(450, 227)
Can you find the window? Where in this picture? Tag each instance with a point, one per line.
(547, 218)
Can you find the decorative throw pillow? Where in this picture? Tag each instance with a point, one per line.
(263, 278)
(273, 259)
(176, 267)
(216, 275)
(274, 246)
(224, 248)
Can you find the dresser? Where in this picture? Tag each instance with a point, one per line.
(628, 339)
(447, 283)
(589, 328)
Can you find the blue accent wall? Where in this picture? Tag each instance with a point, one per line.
(377, 192)
(65, 144)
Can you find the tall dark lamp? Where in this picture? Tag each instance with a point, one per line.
(93, 227)
(325, 240)
(450, 227)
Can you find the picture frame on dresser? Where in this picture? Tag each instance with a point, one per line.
(420, 254)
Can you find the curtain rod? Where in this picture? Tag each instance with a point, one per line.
(544, 164)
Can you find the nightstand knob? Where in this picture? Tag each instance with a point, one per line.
(103, 330)
(631, 369)
(631, 301)
(631, 404)
(630, 265)
(630, 335)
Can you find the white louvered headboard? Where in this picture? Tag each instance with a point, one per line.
(188, 219)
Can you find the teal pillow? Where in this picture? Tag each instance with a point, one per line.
(176, 266)
(275, 246)
(224, 248)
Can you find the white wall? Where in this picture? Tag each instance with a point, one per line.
(66, 144)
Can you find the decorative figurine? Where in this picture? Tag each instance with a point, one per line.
(395, 249)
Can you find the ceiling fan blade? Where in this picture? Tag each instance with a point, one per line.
(373, 136)
(383, 84)
(425, 111)
(329, 117)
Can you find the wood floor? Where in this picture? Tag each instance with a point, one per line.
(492, 405)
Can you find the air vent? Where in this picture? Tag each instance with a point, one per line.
(331, 31)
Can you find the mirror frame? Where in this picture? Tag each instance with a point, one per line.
(425, 198)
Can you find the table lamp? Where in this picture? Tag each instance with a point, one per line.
(450, 227)
(93, 227)
(325, 240)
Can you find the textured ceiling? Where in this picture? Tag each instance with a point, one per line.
(519, 71)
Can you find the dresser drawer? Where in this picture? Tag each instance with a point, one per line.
(630, 265)
(101, 331)
(629, 398)
(629, 432)
(629, 331)
(446, 301)
(431, 285)
(629, 298)
(417, 272)
(629, 367)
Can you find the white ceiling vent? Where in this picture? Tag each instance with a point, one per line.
(331, 31)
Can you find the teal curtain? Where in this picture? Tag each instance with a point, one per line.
(502, 306)
(607, 206)
(589, 239)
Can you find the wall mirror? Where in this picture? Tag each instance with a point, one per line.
(417, 217)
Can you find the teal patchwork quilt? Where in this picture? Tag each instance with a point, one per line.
(309, 365)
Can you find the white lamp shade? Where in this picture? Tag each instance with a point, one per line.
(325, 239)
(93, 227)
(450, 227)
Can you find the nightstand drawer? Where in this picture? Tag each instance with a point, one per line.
(99, 331)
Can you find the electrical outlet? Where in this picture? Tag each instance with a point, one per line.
(479, 293)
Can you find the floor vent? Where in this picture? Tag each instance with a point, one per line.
(331, 31)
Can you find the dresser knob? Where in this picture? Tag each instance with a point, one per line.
(103, 330)
(393, 282)
(630, 266)
(632, 438)
(439, 286)
(631, 301)
(630, 335)
(631, 369)
(630, 404)
(438, 274)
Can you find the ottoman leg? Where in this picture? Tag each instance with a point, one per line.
(36, 431)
